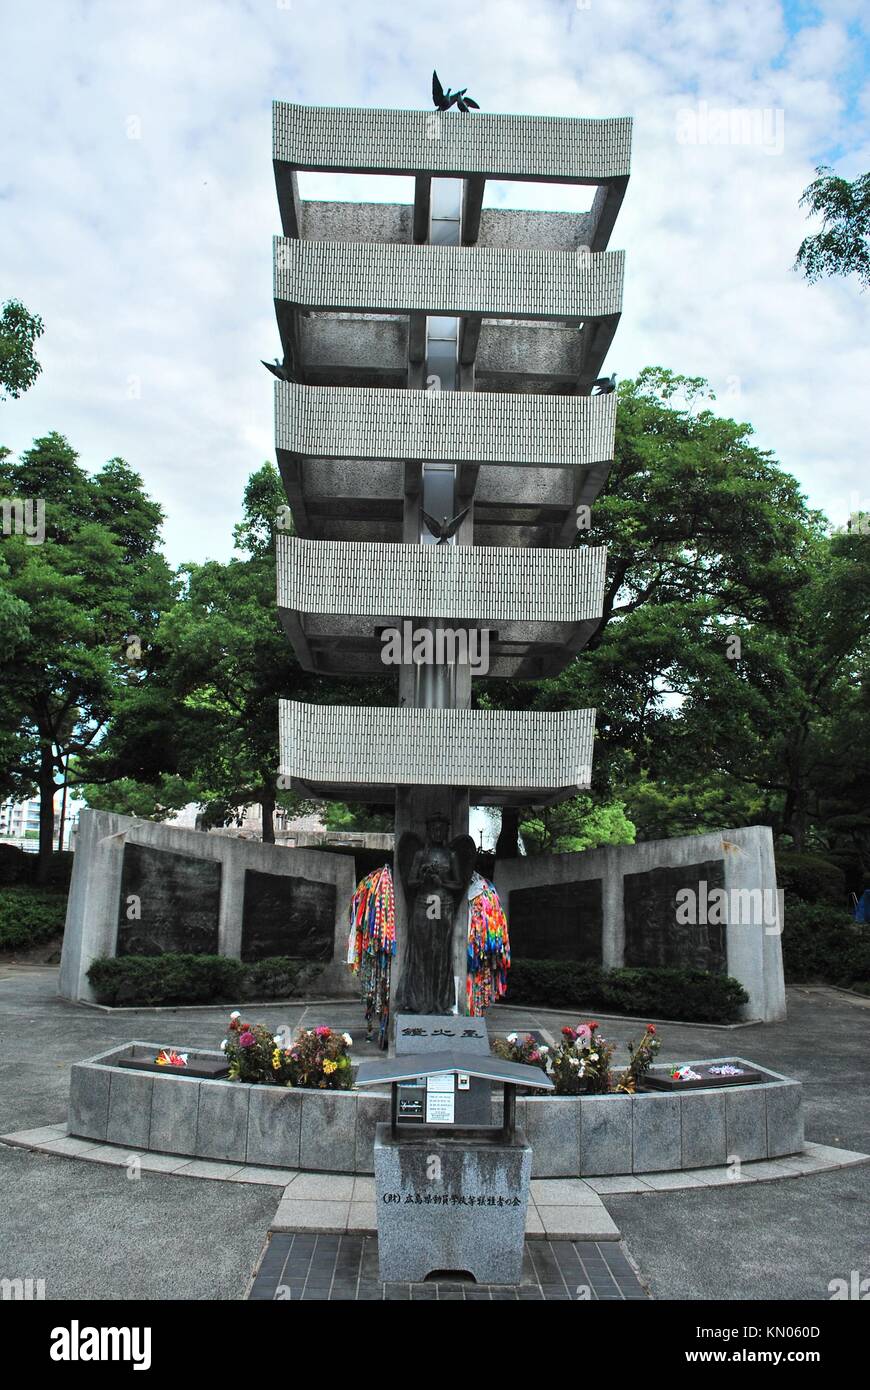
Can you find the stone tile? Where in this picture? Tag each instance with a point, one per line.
(766, 1171)
(274, 1123)
(558, 1192)
(89, 1101)
(362, 1217)
(129, 1120)
(840, 1157)
(204, 1168)
(552, 1127)
(808, 1163)
(310, 1216)
(656, 1139)
(605, 1135)
(579, 1223)
(42, 1135)
(785, 1120)
(328, 1133)
(702, 1116)
(534, 1224)
(222, 1120)
(73, 1148)
(363, 1190)
(371, 1111)
(715, 1177)
(625, 1182)
(110, 1154)
(323, 1187)
(746, 1122)
(174, 1103)
(671, 1182)
(272, 1177)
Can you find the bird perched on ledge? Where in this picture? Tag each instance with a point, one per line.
(444, 100)
(603, 386)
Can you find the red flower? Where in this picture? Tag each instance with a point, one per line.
(323, 1032)
(650, 1028)
(569, 1032)
(593, 1025)
(247, 1039)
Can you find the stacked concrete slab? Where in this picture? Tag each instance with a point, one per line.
(363, 422)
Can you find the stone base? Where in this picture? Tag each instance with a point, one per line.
(451, 1204)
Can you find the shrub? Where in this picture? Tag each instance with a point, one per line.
(822, 944)
(694, 995)
(29, 916)
(177, 978)
(809, 878)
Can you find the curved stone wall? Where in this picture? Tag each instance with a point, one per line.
(333, 1131)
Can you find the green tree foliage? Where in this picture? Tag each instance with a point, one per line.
(81, 605)
(842, 247)
(19, 330)
(576, 824)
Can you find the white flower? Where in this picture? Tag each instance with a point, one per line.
(511, 1037)
(224, 1045)
(235, 1014)
(543, 1048)
(348, 1040)
(574, 1061)
(593, 1056)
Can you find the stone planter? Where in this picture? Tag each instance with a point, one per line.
(334, 1131)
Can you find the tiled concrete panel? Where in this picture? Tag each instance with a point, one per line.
(442, 747)
(703, 1123)
(746, 1122)
(89, 1101)
(495, 427)
(443, 581)
(785, 1121)
(605, 1134)
(552, 1127)
(656, 1141)
(274, 1122)
(495, 281)
(360, 139)
(174, 1103)
(222, 1120)
(129, 1109)
(328, 1137)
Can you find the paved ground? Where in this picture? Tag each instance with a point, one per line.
(91, 1232)
(345, 1269)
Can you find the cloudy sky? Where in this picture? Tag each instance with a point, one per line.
(137, 207)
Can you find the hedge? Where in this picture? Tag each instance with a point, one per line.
(823, 944)
(18, 868)
(693, 995)
(810, 878)
(175, 978)
(29, 916)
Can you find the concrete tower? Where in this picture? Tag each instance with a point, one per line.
(439, 358)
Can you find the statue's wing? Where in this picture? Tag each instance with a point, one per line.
(454, 525)
(407, 847)
(431, 524)
(437, 90)
(466, 855)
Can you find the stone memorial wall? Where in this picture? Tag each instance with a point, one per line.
(142, 888)
(706, 902)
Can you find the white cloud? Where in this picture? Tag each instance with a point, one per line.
(149, 258)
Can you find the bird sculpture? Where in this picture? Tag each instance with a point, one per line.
(604, 385)
(445, 528)
(444, 100)
(278, 369)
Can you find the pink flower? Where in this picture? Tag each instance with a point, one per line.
(322, 1032)
(583, 1032)
(247, 1040)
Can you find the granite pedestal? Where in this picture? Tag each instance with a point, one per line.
(451, 1204)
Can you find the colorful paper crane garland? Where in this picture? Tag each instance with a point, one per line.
(489, 947)
(372, 944)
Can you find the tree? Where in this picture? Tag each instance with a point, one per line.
(18, 333)
(842, 247)
(576, 824)
(86, 599)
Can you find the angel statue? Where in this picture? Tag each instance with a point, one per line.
(435, 877)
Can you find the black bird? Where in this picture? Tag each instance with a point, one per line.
(604, 385)
(444, 100)
(445, 528)
(278, 369)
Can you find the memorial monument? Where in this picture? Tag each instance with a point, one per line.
(441, 444)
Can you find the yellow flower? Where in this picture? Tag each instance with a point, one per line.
(329, 1066)
(276, 1059)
